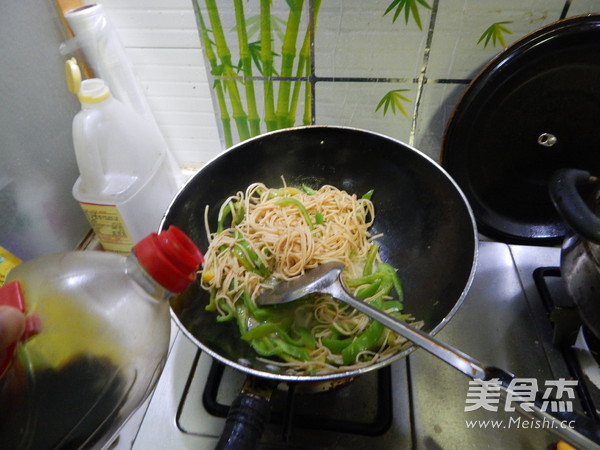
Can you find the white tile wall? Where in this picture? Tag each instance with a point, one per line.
(161, 39)
(355, 41)
(460, 23)
(352, 44)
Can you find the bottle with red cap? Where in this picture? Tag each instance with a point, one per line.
(96, 340)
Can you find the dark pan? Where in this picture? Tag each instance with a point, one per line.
(499, 144)
(428, 231)
(428, 227)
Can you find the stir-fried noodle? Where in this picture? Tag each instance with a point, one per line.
(265, 235)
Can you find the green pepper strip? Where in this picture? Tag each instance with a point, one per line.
(242, 257)
(368, 340)
(367, 195)
(212, 305)
(308, 190)
(293, 351)
(254, 260)
(289, 339)
(368, 268)
(221, 220)
(393, 305)
(226, 211)
(336, 345)
(386, 268)
(240, 216)
(306, 337)
(260, 314)
(298, 204)
(249, 259)
(319, 218)
(368, 291)
(264, 346)
(230, 315)
(267, 346)
(367, 279)
(261, 330)
(242, 318)
(386, 285)
(276, 193)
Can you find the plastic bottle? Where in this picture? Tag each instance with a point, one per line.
(7, 262)
(125, 183)
(97, 38)
(98, 333)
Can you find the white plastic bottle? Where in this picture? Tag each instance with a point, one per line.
(125, 183)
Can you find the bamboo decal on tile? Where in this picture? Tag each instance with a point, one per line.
(279, 76)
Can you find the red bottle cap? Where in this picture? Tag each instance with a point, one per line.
(171, 258)
(12, 295)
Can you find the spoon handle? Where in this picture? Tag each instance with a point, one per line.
(461, 361)
(575, 428)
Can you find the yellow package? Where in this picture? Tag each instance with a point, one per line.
(7, 262)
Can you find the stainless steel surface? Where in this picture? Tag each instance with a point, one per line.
(589, 364)
(326, 279)
(501, 321)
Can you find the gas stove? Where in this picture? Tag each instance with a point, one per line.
(417, 402)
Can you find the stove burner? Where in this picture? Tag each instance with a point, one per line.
(593, 344)
(560, 307)
(310, 411)
(564, 316)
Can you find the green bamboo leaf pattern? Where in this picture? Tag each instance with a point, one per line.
(303, 69)
(239, 115)
(393, 99)
(215, 68)
(245, 67)
(277, 26)
(256, 37)
(288, 56)
(495, 33)
(410, 7)
(255, 51)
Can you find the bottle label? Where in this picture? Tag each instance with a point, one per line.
(7, 262)
(107, 223)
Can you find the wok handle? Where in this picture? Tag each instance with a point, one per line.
(573, 427)
(570, 205)
(248, 416)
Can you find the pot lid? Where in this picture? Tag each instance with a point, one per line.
(533, 109)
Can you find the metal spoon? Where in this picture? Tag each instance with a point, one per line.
(326, 279)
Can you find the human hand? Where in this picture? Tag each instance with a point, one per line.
(12, 326)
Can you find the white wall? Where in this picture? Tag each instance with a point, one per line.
(434, 64)
(38, 214)
(162, 41)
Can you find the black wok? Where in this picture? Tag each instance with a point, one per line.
(428, 227)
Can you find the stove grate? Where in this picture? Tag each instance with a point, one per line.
(566, 323)
(291, 409)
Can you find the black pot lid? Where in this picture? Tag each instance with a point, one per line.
(533, 109)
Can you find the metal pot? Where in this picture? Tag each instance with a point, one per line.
(580, 256)
(428, 232)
